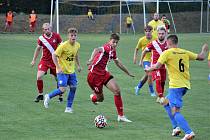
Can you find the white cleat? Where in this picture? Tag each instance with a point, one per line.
(176, 131)
(153, 94)
(189, 136)
(46, 100)
(123, 119)
(68, 110)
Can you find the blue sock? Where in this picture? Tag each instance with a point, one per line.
(140, 84)
(151, 89)
(70, 97)
(55, 93)
(182, 122)
(171, 116)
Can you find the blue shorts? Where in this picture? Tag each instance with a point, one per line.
(146, 64)
(175, 96)
(67, 79)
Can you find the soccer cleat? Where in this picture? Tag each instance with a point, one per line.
(60, 99)
(68, 110)
(158, 100)
(153, 94)
(91, 98)
(38, 98)
(46, 101)
(123, 119)
(137, 89)
(176, 131)
(189, 136)
(162, 100)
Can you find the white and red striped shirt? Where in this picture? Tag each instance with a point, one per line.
(49, 45)
(101, 59)
(156, 48)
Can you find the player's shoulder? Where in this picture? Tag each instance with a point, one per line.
(77, 44)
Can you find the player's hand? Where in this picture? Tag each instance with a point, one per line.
(131, 75)
(140, 63)
(32, 63)
(89, 62)
(79, 69)
(59, 70)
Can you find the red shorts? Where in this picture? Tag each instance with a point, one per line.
(45, 65)
(32, 24)
(96, 82)
(9, 23)
(159, 74)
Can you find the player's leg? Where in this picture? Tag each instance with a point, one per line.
(150, 83)
(72, 82)
(39, 84)
(112, 86)
(159, 86)
(62, 83)
(140, 84)
(53, 72)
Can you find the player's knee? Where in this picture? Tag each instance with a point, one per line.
(62, 89)
(117, 92)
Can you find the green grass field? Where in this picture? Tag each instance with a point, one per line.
(22, 119)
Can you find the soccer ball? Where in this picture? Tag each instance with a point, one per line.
(100, 121)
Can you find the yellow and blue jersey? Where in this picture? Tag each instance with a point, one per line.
(66, 56)
(177, 64)
(142, 44)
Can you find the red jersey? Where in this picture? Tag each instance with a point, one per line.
(156, 48)
(49, 45)
(101, 59)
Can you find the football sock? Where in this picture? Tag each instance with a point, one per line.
(182, 122)
(119, 104)
(209, 77)
(39, 84)
(151, 89)
(171, 116)
(140, 84)
(70, 97)
(159, 88)
(55, 93)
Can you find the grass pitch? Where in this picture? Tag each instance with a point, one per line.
(22, 119)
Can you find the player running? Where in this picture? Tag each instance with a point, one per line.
(48, 43)
(65, 57)
(98, 75)
(177, 62)
(142, 43)
(157, 47)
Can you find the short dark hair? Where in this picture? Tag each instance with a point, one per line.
(148, 27)
(115, 36)
(173, 38)
(72, 30)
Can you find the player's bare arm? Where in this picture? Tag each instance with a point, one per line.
(122, 67)
(78, 63)
(135, 55)
(36, 53)
(55, 60)
(154, 67)
(144, 52)
(95, 51)
(204, 52)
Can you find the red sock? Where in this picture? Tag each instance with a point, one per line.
(39, 84)
(94, 98)
(159, 88)
(119, 104)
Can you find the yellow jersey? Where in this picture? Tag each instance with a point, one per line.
(142, 44)
(129, 20)
(90, 14)
(155, 25)
(209, 56)
(177, 64)
(66, 56)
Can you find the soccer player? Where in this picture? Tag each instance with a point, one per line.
(129, 22)
(48, 43)
(209, 66)
(9, 21)
(65, 57)
(177, 62)
(155, 23)
(32, 21)
(142, 43)
(90, 15)
(166, 22)
(99, 76)
(157, 47)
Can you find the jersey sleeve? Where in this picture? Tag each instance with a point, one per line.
(59, 38)
(192, 56)
(59, 50)
(115, 55)
(39, 42)
(163, 57)
(138, 46)
(149, 46)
